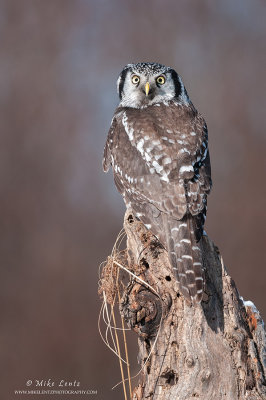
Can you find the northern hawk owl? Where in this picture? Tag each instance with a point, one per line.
(157, 146)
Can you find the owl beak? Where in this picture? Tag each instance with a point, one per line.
(147, 88)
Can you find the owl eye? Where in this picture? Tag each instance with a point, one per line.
(160, 80)
(135, 79)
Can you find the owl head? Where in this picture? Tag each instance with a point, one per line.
(144, 84)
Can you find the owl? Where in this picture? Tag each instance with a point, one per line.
(157, 146)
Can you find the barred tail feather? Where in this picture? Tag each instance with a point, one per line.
(185, 256)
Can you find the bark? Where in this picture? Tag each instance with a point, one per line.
(213, 350)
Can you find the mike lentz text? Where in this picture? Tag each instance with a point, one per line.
(51, 383)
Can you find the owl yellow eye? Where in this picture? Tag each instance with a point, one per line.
(160, 80)
(135, 79)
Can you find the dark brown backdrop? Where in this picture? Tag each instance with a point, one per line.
(59, 61)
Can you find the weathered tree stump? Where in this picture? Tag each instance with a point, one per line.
(213, 350)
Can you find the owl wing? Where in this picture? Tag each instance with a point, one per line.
(107, 156)
(132, 176)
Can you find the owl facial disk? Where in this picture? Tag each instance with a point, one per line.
(144, 84)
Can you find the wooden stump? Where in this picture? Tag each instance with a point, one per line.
(213, 350)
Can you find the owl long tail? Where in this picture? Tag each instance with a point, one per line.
(185, 256)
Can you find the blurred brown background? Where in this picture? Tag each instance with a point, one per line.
(59, 61)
